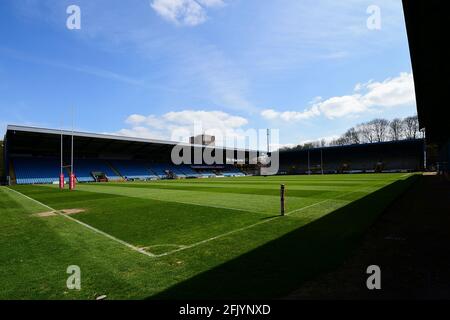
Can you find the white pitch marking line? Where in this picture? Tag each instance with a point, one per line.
(140, 250)
(164, 245)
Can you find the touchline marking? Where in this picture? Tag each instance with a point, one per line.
(140, 250)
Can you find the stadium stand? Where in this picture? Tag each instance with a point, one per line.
(98, 157)
(34, 170)
(31, 170)
(393, 156)
(151, 159)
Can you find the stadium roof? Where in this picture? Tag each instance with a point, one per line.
(426, 23)
(22, 139)
(84, 134)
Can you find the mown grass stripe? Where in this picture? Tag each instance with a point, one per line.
(140, 250)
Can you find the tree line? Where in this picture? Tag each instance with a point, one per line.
(376, 130)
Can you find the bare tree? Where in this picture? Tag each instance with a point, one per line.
(367, 132)
(341, 141)
(377, 130)
(310, 145)
(396, 129)
(380, 128)
(411, 125)
(352, 136)
(333, 142)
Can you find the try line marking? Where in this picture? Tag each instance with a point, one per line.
(140, 250)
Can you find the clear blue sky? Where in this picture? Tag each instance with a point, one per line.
(311, 68)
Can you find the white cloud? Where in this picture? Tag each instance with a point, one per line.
(369, 96)
(180, 125)
(209, 119)
(139, 120)
(185, 12)
(142, 132)
(294, 115)
(270, 114)
(212, 3)
(135, 119)
(337, 107)
(391, 92)
(315, 100)
(327, 139)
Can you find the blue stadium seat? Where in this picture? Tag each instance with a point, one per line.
(133, 169)
(34, 170)
(83, 169)
(188, 171)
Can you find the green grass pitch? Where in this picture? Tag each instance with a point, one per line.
(201, 238)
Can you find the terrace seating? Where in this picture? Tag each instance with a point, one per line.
(161, 169)
(207, 174)
(232, 171)
(158, 169)
(177, 171)
(83, 169)
(188, 171)
(133, 169)
(30, 170)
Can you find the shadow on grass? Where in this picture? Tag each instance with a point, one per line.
(277, 268)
